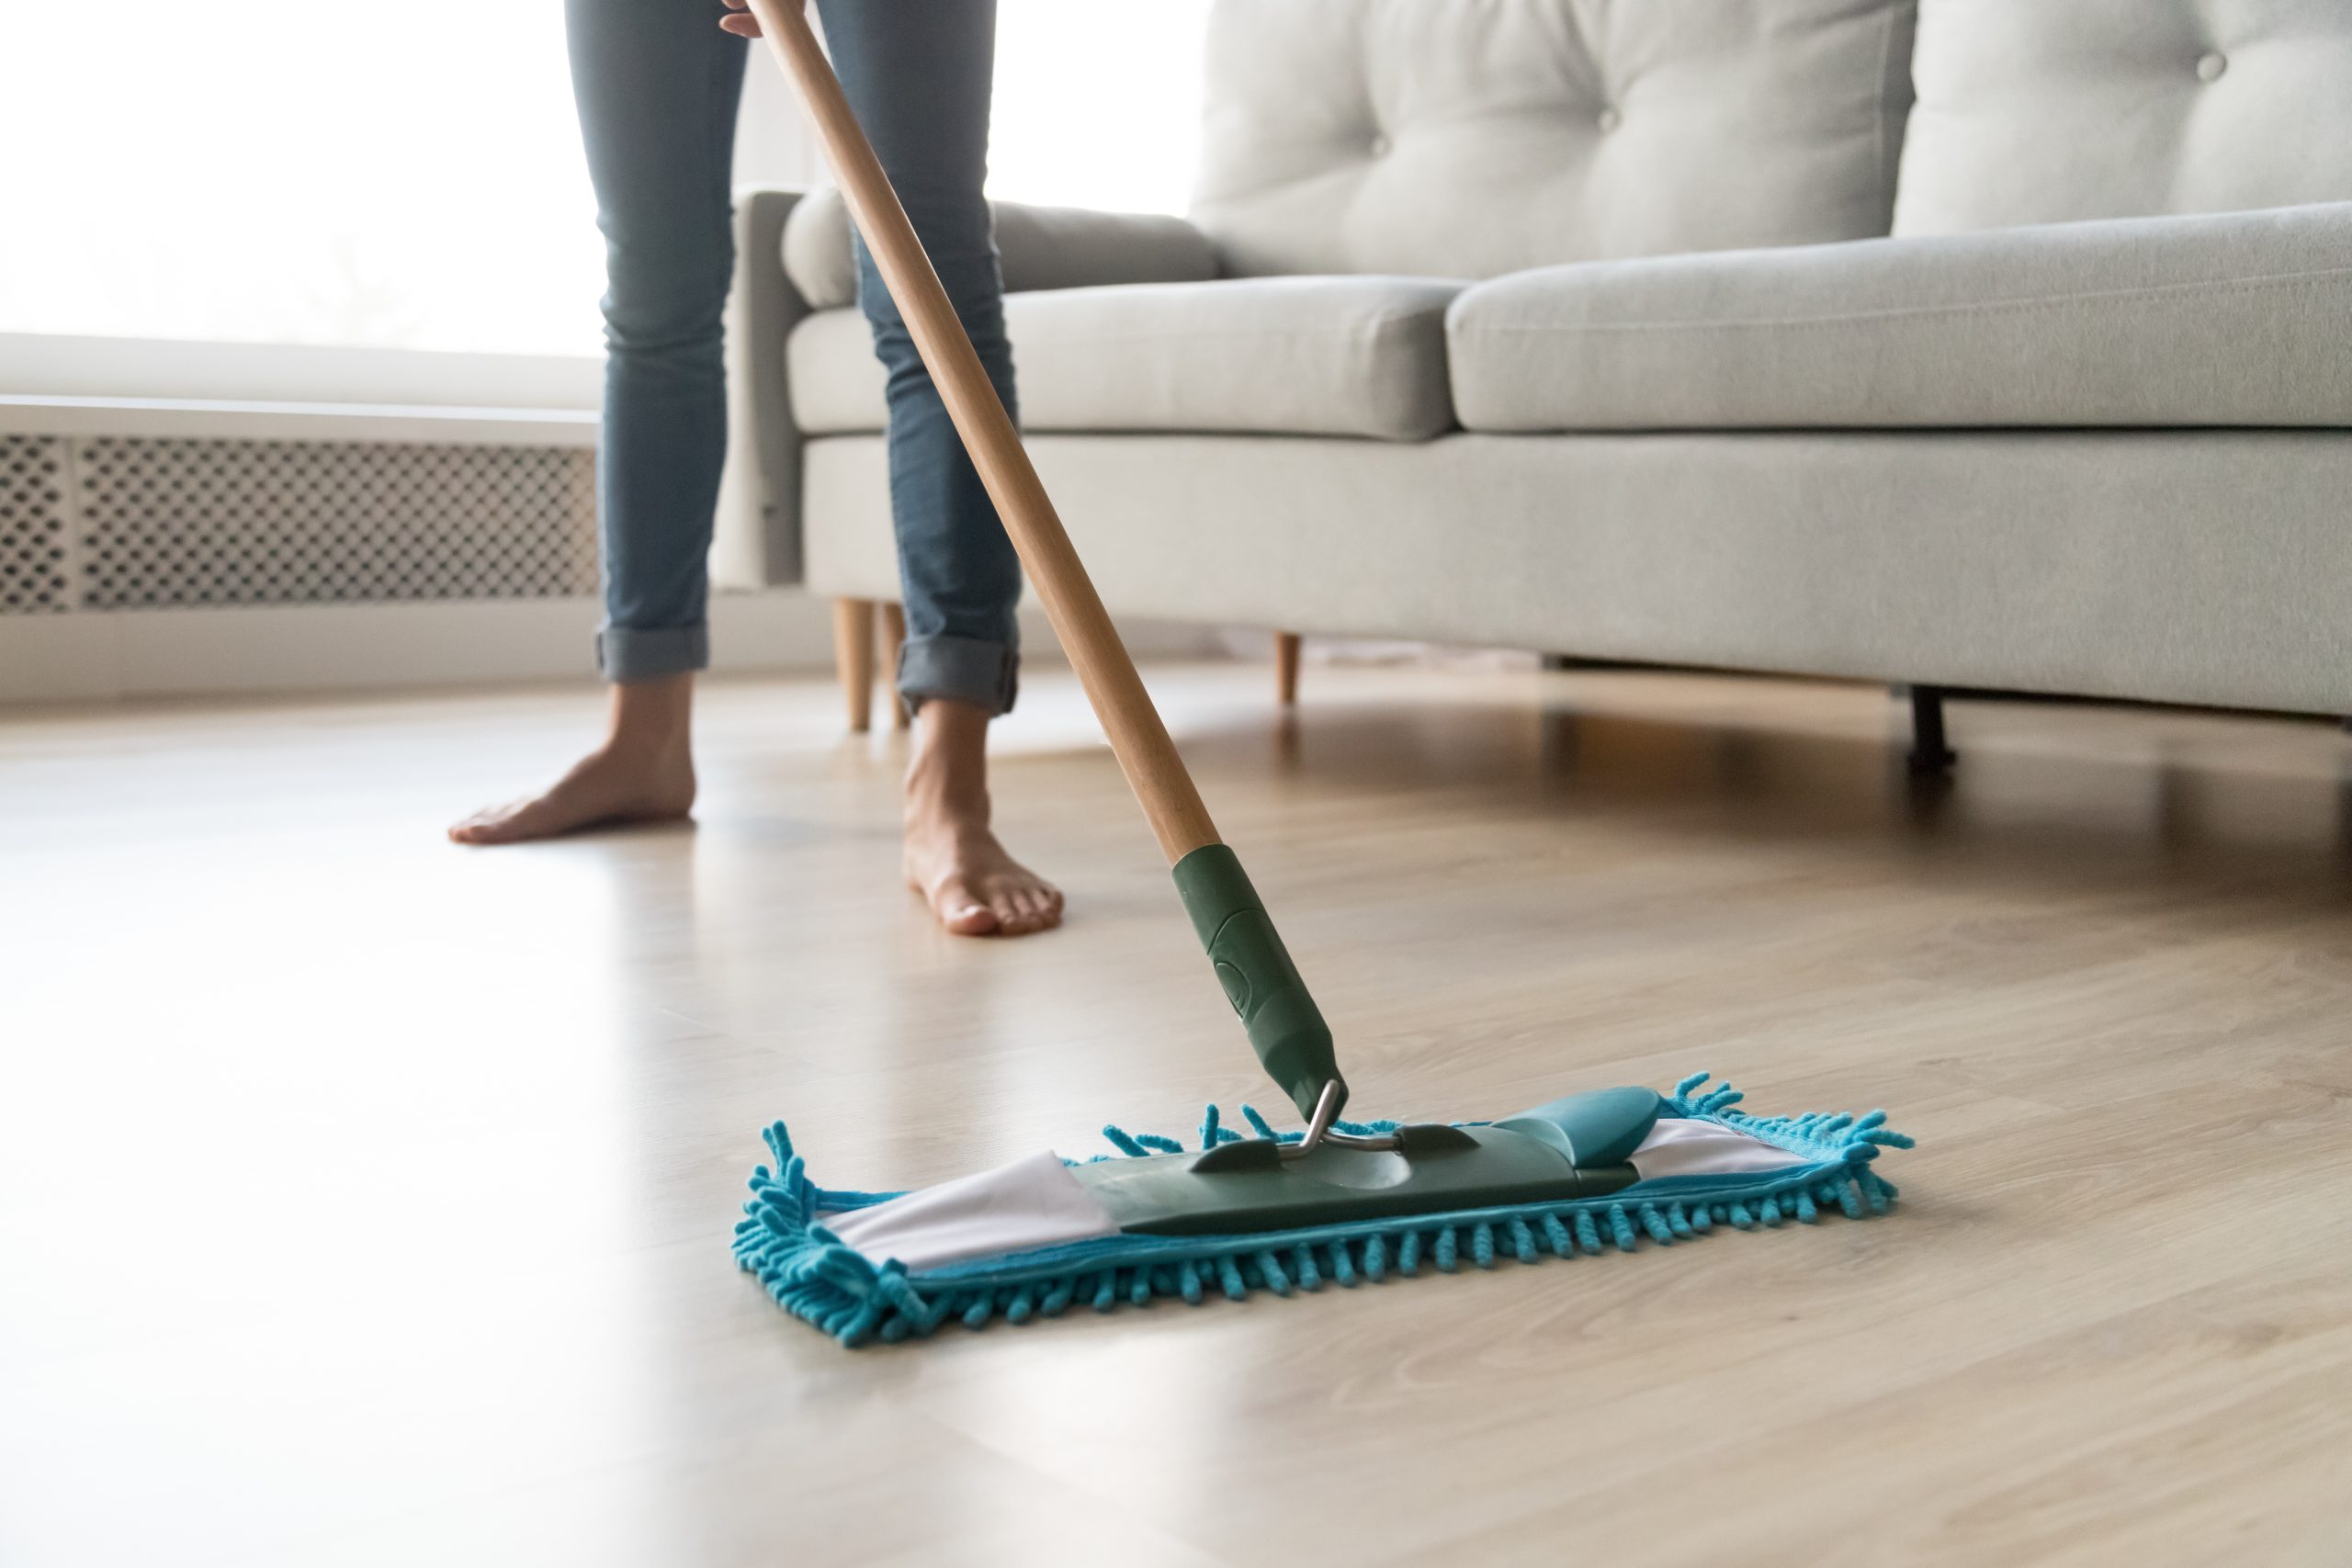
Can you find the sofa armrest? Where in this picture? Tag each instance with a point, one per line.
(1043, 247)
(756, 541)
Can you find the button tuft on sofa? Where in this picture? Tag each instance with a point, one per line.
(1800, 105)
(2209, 67)
(1610, 118)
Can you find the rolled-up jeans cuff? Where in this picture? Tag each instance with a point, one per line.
(961, 669)
(630, 653)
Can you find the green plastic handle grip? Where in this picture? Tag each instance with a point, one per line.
(1285, 1027)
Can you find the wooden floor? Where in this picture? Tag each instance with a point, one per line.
(363, 1199)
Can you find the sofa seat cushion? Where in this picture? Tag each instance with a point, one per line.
(2226, 319)
(1279, 355)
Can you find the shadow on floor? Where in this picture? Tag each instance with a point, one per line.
(2094, 796)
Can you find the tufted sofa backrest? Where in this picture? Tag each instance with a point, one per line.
(1468, 138)
(2039, 111)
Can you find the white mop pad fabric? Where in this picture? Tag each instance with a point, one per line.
(1687, 1146)
(1031, 1202)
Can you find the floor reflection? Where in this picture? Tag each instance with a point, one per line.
(2051, 792)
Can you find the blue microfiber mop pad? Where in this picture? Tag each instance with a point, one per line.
(816, 1277)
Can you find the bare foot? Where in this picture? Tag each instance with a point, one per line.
(951, 859)
(643, 772)
(609, 784)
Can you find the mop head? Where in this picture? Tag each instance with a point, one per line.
(1028, 1241)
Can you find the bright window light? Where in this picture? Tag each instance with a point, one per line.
(281, 171)
(1098, 103)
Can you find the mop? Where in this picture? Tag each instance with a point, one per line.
(1340, 1201)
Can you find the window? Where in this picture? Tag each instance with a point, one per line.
(287, 171)
(281, 171)
(1098, 103)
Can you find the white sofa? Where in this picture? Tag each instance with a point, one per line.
(1946, 342)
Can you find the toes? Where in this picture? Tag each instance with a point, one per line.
(522, 820)
(1024, 909)
(503, 826)
(1045, 908)
(971, 920)
(962, 913)
(483, 827)
(979, 891)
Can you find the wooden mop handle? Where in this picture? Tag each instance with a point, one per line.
(1137, 737)
(1285, 1027)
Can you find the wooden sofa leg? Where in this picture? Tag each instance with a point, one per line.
(1930, 754)
(892, 631)
(853, 658)
(1286, 668)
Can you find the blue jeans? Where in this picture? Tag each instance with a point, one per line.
(658, 85)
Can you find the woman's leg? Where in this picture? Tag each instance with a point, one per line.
(917, 72)
(657, 84)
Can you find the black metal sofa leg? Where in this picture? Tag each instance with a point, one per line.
(1929, 753)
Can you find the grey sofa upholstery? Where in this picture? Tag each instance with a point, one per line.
(1678, 332)
(2162, 323)
(1271, 355)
